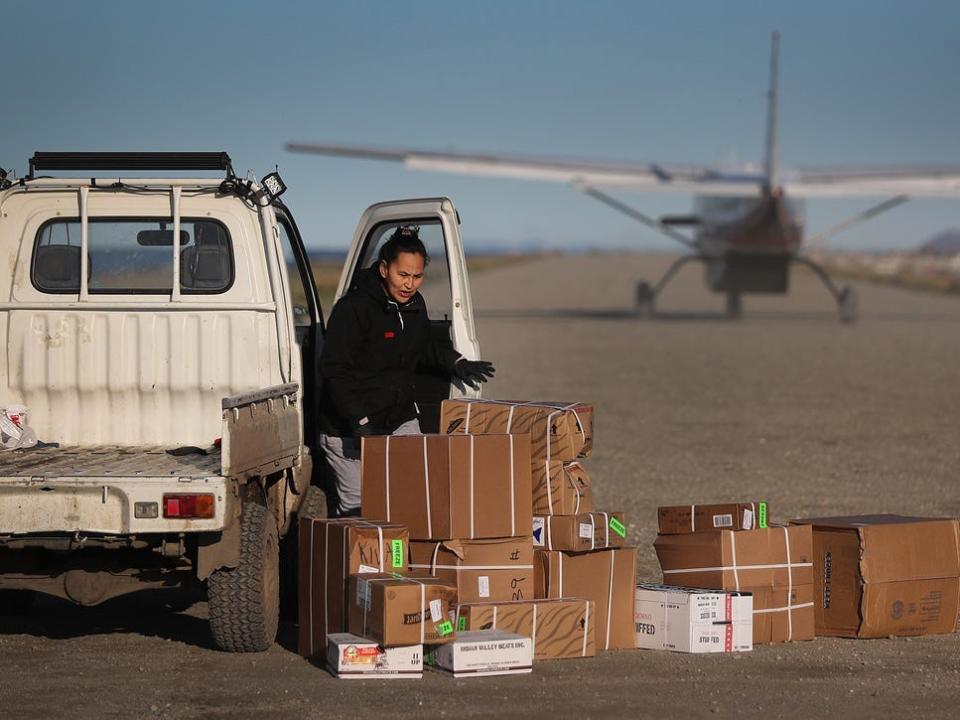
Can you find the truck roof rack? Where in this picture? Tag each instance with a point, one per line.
(131, 161)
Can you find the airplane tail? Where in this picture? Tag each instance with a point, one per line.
(770, 155)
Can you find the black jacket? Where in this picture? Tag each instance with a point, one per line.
(372, 350)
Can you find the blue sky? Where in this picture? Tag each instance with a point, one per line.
(862, 82)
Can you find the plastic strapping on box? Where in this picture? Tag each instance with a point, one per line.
(513, 499)
(466, 418)
(613, 565)
(606, 528)
(494, 617)
(733, 559)
(693, 524)
(546, 471)
(753, 514)
(547, 524)
(560, 588)
(721, 568)
(386, 460)
(786, 540)
(433, 566)
(426, 484)
(573, 482)
(586, 626)
(472, 468)
(593, 532)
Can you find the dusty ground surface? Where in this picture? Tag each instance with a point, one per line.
(785, 404)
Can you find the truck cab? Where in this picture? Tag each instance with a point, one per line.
(165, 333)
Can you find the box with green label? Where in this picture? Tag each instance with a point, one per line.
(581, 532)
(329, 552)
(396, 610)
(681, 519)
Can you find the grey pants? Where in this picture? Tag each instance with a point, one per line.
(343, 463)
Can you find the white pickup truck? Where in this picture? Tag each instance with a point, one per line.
(173, 384)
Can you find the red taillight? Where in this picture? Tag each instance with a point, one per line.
(189, 506)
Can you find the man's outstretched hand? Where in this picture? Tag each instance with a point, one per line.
(474, 372)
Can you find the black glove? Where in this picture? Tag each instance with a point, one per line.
(365, 430)
(474, 372)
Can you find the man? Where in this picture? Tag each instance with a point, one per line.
(377, 338)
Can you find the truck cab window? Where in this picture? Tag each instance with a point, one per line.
(298, 292)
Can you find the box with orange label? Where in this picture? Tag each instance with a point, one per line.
(351, 656)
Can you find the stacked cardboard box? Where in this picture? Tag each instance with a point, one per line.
(496, 568)
(394, 610)
(693, 620)
(880, 575)
(330, 551)
(579, 552)
(774, 564)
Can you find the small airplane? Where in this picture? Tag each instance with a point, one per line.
(747, 226)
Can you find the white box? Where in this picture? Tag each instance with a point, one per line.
(692, 620)
(484, 652)
(351, 656)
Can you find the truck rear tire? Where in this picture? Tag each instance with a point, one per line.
(245, 600)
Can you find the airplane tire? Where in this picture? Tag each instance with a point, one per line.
(847, 305)
(734, 305)
(645, 300)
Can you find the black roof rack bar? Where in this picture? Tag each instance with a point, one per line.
(130, 161)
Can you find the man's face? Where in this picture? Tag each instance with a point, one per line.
(403, 277)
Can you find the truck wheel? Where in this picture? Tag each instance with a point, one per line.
(16, 602)
(314, 503)
(245, 600)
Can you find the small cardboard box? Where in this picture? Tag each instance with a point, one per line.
(778, 559)
(880, 575)
(693, 620)
(449, 486)
(393, 610)
(351, 657)
(492, 569)
(608, 577)
(579, 533)
(560, 488)
(559, 628)
(330, 551)
(484, 652)
(677, 519)
(558, 431)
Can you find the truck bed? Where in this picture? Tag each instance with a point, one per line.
(106, 461)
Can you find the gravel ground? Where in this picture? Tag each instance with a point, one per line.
(785, 404)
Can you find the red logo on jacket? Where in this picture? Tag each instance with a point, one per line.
(389, 335)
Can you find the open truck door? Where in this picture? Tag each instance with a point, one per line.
(446, 288)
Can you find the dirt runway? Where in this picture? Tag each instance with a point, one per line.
(785, 404)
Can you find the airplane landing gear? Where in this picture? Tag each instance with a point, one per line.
(734, 305)
(645, 300)
(847, 304)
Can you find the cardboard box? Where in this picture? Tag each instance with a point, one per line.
(608, 577)
(484, 652)
(351, 657)
(329, 552)
(558, 431)
(559, 628)
(449, 486)
(579, 533)
(693, 620)
(560, 488)
(777, 558)
(676, 519)
(492, 569)
(393, 610)
(880, 575)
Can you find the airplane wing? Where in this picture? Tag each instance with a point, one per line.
(911, 181)
(647, 177)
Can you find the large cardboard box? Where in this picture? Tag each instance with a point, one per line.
(777, 559)
(394, 610)
(579, 533)
(880, 575)
(491, 569)
(484, 652)
(329, 552)
(560, 488)
(675, 519)
(560, 628)
(608, 577)
(449, 486)
(558, 431)
(693, 620)
(351, 657)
